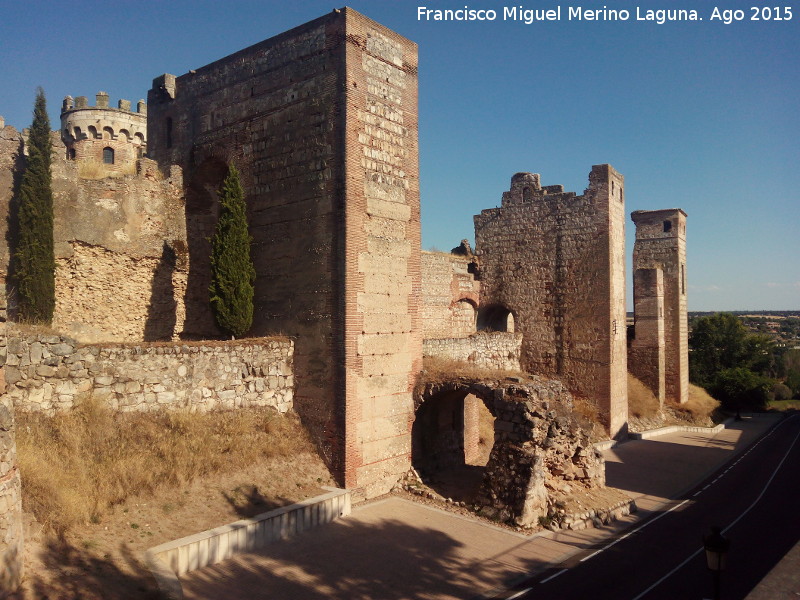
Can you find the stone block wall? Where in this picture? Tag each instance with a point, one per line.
(661, 244)
(120, 246)
(52, 372)
(497, 350)
(556, 261)
(646, 350)
(450, 295)
(321, 122)
(11, 540)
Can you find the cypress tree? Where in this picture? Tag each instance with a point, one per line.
(232, 271)
(35, 261)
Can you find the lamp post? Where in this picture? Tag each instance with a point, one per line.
(716, 546)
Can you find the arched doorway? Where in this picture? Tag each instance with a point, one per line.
(495, 317)
(451, 440)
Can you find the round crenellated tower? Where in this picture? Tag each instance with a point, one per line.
(110, 140)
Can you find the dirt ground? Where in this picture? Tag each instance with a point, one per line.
(103, 561)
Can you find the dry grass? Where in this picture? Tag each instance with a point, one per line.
(437, 369)
(588, 415)
(700, 408)
(642, 403)
(77, 465)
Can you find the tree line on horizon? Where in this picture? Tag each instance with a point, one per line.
(742, 370)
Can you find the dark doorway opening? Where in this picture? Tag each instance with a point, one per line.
(451, 439)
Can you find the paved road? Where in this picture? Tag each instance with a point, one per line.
(754, 499)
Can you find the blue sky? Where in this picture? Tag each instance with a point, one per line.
(702, 115)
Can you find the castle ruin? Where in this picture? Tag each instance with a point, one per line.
(321, 122)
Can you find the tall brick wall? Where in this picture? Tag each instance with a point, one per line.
(661, 244)
(450, 296)
(556, 261)
(646, 350)
(322, 123)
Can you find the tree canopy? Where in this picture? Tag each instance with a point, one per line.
(729, 361)
(232, 270)
(34, 259)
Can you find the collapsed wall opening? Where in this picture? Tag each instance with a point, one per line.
(451, 441)
(495, 317)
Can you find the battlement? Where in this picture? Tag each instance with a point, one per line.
(112, 137)
(526, 187)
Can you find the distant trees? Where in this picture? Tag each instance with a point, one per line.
(232, 271)
(34, 259)
(730, 362)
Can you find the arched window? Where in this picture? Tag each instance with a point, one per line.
(108, 155)
(70, 153)
(108, 133)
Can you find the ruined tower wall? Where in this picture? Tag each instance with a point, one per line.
(661, 243)
(121, 258)
(556, 261)
(646, 358)
(88, 130)
(322, 123)
(11, 540)
(119, 246)
(450, 296)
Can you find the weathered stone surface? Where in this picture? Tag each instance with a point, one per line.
(555, 261)
(498, 350)
(661, 353)
(146, 377)
(539, 446)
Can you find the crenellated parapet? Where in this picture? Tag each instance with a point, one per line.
(111, 138)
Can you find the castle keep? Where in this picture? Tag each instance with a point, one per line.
(321, 122)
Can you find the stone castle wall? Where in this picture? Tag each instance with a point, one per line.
(450, 296)
(11, 536)
(661, 244)
(556, 262)
(321, 122)
(87, 131)
(497, 350)
(52, 372)
(120, 246)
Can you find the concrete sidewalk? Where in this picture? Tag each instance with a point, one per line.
(395, 548)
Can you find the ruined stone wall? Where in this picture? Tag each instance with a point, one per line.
(556, 261)
(321, 121)
(646, 351)
(450, 296)
(120, 246)
(497, 350)
(11, 540)
(52, 372)
(121, 255)
(661, 244)
(11, 161)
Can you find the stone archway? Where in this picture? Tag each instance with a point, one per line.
(495, 317)
(539, 447)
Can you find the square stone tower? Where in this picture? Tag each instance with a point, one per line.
(553, 264)
(661, 245)
(321, 122)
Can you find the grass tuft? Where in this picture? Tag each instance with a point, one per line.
(642, 402)
(77, 465)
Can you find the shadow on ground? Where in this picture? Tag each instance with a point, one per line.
(72, 573)
(351, 560)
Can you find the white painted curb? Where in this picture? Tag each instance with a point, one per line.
(170, 560)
